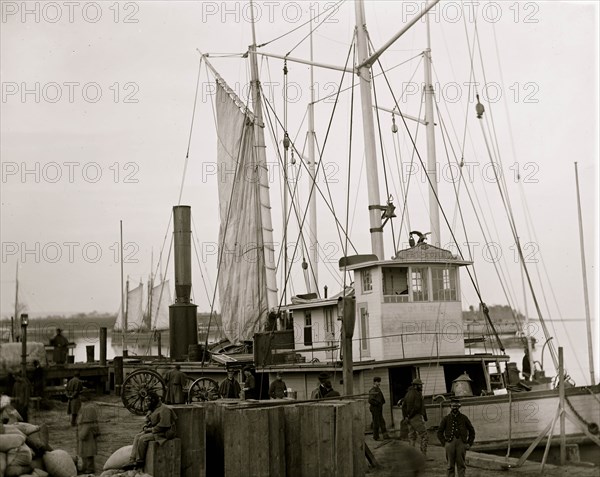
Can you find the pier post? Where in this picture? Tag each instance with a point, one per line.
(103, 335)
(89, 351)
(118, 364)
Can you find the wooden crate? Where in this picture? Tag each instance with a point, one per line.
(164, 459)
(191, 429)
(253, 441)
(327, 440)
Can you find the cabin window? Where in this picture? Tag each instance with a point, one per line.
(418, 284)
(308, 339)
(364, 332)
(395, 284)
(444, 284)
(367, 284)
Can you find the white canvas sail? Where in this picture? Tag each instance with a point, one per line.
(161, 299)
(243, 269)
(135, 313)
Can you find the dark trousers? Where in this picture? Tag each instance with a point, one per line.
(455, 456)
(378, 421)
(88, 465)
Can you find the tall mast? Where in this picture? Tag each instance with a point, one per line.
(123, 311)
(14, 321)
(585, 287)
(527, 334)
(364, 73)
(259, 143)
(313, 249)
(434, 213)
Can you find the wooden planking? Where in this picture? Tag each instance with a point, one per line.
(344, 428)
(309, 432)
(165, 459)
(293, 446)
(326, 443)
(232, 442)
(277, 441)
(191, 429)
(358, 439)
(253, 441)
(313, 439)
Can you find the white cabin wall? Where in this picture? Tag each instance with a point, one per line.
(409, 330)
(319, 336)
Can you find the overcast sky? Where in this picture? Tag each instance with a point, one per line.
(97, 100)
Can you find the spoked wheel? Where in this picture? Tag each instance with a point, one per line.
(203, 389)
(136, 387)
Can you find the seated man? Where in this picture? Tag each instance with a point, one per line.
(159, 427)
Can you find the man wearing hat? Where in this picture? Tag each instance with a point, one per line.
(376, 402)
(456, 434)
(413, 410)
(278, 388)
(320, 391)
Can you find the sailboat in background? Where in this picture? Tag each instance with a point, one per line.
(139, 323)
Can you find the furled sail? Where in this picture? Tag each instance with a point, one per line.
(135, 312)
(245, 248)
(161, 299)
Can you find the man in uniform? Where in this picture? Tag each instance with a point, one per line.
(278, 389)
(456, 434)
(160, 426)
(175, 381)
(413, 410)
(376, 402)
(74, 388)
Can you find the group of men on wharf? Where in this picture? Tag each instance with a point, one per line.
(455, 431)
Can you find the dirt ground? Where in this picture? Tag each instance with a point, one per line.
(117, 427)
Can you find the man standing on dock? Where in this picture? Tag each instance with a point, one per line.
(60, 343)
(278, 389)
(175, 381)
(229, 387)
(456, 434)
(319, 392)
(22, 393)
(413, 410)
(376, 402)
(73, 391)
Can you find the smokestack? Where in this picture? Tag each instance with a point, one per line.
(182, 233)
(182, 315)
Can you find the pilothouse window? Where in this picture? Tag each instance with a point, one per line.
(419, 284)
(367, 284)
(444, 284)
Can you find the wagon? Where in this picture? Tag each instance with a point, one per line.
(140, 382)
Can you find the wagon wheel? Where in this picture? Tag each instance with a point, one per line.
(136, 387)
(203, 389)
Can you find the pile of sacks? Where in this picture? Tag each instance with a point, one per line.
(25, 452)
(113, 467)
